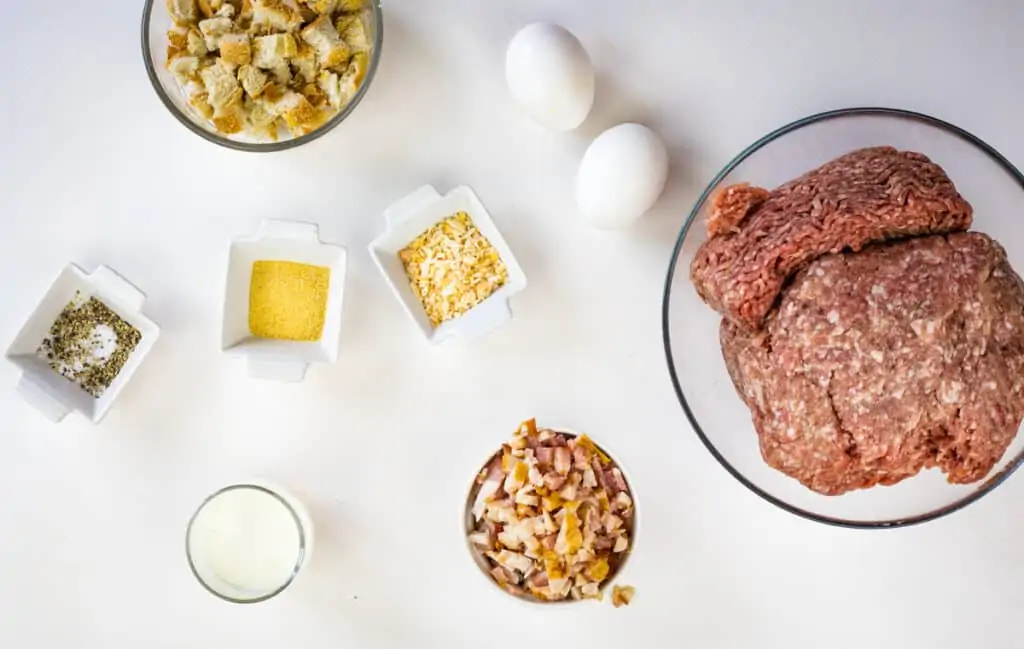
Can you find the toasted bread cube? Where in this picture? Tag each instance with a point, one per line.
(221, 85)
(182, 12)
(260, 122)
(214, 29)
(177, 37)
(299, 115)
(308, 15)
(258, 114)
(270, 52)
(244, 13)
(354, 29)
(198, 99)
(205, 10)
(195, 43)
(184, 68)
(323, 37)
(328, 82)
(305, 63)
(273, 94)
(314, 95)
(253, 80)
(226, 10)
(235, 49)
(281, 15)
(351, 5)
(229, 122)
(322, 7)
(354, 75)
(282, 75)
(177, 43)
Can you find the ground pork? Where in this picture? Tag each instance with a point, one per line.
(877, 364)
(758, 239)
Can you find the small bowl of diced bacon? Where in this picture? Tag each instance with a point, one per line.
(551, 518)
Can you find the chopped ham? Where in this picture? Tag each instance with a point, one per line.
(599, 473)
(615, 479)
(579, 458)
(553, 481)
(552, 513)
(545, 456)
(604, 543)
(487, 491)
(611, 523)
(535, 477)
(623, 501)
(563, 460)
(539, 580)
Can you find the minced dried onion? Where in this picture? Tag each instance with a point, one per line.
(452, 267)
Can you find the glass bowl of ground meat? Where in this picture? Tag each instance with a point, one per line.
(261, 75)
(843, 318)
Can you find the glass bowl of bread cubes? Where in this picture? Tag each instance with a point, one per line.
(261, 75)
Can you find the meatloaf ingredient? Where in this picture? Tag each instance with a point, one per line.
(878, 364)
(758, 239)
(452, 267)
(89, 344)
(553, 516)
(268, 67)
(622, 595)
(288, 300)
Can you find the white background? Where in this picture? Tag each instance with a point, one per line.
(383, 444)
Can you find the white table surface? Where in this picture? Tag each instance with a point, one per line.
(382, 444)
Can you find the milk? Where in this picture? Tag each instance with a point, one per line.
(246, 543)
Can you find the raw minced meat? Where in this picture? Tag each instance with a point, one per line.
(758, 239)
(880, 363)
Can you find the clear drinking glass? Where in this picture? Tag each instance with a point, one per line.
(248, 542)
(690, 328)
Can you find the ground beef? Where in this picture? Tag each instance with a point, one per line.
(877, 364)
(758, 239)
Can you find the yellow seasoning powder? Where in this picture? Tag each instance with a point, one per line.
(288, 301)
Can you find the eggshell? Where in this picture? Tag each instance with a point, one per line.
(621, 176)
(550, 76)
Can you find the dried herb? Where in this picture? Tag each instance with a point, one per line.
(89, 344)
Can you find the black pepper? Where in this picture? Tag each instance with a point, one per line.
(75, 346)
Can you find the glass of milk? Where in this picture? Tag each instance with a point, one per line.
(248, 542)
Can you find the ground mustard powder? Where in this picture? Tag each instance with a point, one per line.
(288, 301)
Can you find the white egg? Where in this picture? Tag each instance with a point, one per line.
(550, 76)
(621, 176)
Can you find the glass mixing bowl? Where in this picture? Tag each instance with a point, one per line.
(690, 328)
(156, 20)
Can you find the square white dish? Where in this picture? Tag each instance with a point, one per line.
(408, 218)
(45, 389)
(277, 240)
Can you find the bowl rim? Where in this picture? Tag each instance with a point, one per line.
(475, 554)
(992, 482)
(262, 147)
